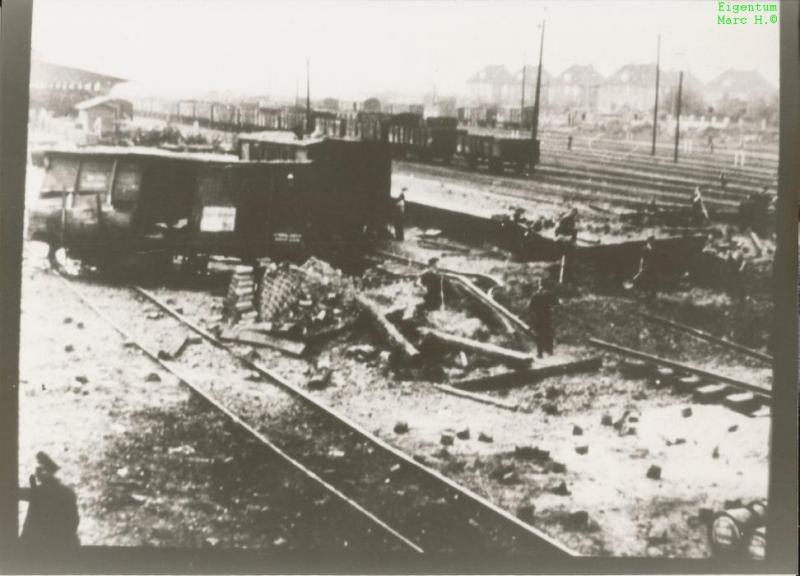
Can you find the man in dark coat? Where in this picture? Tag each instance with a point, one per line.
(399, 216)
(647, 276)
(52, 518)
(540, 313)
(431, 279)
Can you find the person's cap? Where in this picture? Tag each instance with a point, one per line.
(46, 462)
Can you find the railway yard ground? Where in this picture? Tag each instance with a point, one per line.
(596, 454)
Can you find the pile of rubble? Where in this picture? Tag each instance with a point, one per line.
(297, 302)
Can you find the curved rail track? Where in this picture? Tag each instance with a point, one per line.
(423, 510)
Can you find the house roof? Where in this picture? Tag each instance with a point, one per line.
(747, 81)
(638, 74)
(102, 101)
(49, 72)
(530, 74)
(580, 74)
(492, 74)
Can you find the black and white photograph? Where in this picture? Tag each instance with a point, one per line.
(423, 279)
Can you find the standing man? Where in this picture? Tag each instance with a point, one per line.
(52, 518)
(431, 279)
(567, 236)
(540, 313)
(647, 276)
(399, 215)
(699, 212)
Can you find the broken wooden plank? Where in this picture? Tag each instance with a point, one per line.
(706, 336)
(506, 355)
(529, 376)
(679, 366)
(254, 338)
(478, 397)
(484, 298)
(393, 336)
(759, 247)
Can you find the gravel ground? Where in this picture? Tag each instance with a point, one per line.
(152, 464)
(628, 513)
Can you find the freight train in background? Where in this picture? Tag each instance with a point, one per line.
(410, 135)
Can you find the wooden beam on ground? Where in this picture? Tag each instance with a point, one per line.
(257, 338)
(529, 376)
(505, 404)
(388, 330)
(756, 243)
(679, 366)
(707, 336)
(484, 298)
(506, 355)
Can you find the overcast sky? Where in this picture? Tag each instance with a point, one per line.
(359, 47)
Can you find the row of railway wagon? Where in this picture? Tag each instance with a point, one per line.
(286, 196)
(409, 135)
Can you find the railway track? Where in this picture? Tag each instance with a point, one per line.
(530, 189)
(414, 505)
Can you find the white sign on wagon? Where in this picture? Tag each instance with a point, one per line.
(218, 219)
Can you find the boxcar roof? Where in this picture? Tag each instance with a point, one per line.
(144, 152)
(279, 137)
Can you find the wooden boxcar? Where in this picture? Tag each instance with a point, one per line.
(104, 204)
(354, 192)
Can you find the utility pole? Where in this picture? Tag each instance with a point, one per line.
(522, 98)
(655, 107)
(309, 119)
(678, 117)
(535, 122)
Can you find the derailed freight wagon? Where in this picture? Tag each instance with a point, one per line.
(109, 205)
(353, 197)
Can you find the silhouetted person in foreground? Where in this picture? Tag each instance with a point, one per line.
(540, 312)
(52, 518)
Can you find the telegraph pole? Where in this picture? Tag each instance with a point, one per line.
(678, 118)
(308, 97)
(535, 123)
(655, 107)
(522, 98)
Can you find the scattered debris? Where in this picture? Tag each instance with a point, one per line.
(686, 412)
(582, 449)
(183, 450)
(152, 377)
(447, 438)
(578, 520)
(658, 532)
(606, 420)
(463, 434)
(81, 379)
(69, 348)
(561, 489)
(531, 453)
(526, 513)
(715, 452)
(654, 472)
(483, 437)
(550, 409)
(478, 397)
(577, 430)
(392, 335)
(401, 427)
